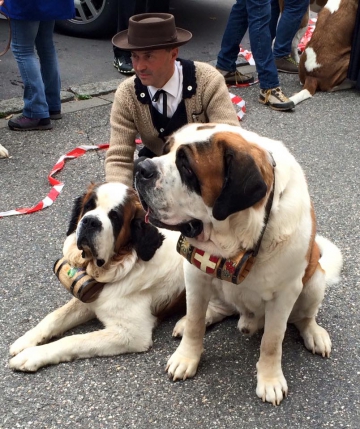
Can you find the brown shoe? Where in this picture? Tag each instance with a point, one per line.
(236, 78)
(287, 65)
(276, 99)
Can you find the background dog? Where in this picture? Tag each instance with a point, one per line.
(325, 61)
(143, 275)
(238, 191)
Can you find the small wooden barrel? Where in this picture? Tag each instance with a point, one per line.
(77, 282)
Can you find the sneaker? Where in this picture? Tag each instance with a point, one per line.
(236, 78)
(55, 114)
(276, 99)
(124, 64)
(23, 123)
(287, 65)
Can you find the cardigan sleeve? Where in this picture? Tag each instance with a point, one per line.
(215, 96)
(119, 162)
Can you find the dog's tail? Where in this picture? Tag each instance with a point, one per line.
(331, 260)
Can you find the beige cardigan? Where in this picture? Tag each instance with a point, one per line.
(129, 117)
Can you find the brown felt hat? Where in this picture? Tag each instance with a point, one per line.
(151, 31)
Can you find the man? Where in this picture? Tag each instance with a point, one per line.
(255, 15)
(190, 92)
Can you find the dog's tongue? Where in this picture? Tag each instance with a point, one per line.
(147, 215)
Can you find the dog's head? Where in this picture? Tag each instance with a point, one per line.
(109, 223)
(206, 174)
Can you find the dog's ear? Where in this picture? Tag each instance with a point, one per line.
(75, 214)
(243, 184)
(146, 238)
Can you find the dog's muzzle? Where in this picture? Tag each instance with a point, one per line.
(90, 227)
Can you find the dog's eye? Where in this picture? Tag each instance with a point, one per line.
(89, 205)
(187, 170)
(114, 215)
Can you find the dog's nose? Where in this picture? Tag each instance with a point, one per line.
(146, 169)
(91, 222)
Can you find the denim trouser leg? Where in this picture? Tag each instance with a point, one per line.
(49, 64)
(275, 13)
(288, 25)
(234, 32)
(259, 14)
(23, 47)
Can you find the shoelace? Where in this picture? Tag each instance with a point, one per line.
(278, 93)
(239, 77)
(291, 60)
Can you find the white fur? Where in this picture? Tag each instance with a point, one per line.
(311, 63)
(273, 292)
(3, 152)
(300, 96)
(126, 306)
(332, 5)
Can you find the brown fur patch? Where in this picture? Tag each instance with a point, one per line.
(313, 253)
(132, 208)
(207, 162)
(205, 127)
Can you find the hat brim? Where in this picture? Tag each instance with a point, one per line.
(120, 40)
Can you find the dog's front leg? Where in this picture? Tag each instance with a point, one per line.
(271, 383)
(184, 362)
(72, 314)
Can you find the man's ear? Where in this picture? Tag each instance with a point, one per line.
(146, 238)
(75, 214)
(243, 185)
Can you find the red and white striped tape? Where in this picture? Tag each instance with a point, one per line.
(57, 186)
(247, 55)
(238, 101)
(307, 36)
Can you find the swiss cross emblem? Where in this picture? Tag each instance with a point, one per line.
(205, 262)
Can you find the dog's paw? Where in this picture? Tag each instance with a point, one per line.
(271, 389)
(24, 342)
(178, 331)
(317, 340)
(29, 360)
(3, 152)
(180, 367)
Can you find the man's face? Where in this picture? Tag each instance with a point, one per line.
(154, 68)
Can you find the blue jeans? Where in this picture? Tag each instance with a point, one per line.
(41, 76)
(254, 14)
(285, 28)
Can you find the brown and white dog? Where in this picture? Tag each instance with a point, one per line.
(234, 187)
(325, 61)
(143, 275)
(315, 6)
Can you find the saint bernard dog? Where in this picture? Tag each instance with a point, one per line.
(142, 272)
(3, 152)
(232, 192)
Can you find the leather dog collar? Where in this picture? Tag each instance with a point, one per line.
(233, 270)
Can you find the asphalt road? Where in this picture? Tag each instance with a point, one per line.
(132, 391)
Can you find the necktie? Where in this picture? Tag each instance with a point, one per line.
(164, 100)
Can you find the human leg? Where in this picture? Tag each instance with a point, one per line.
(288, 25)
(126, 9)
(49, 65)
(234, 32)
(259, 14)
(275, 13)
(22, 45)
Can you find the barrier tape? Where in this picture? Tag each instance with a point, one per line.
(238, 101)
(307, 36)
(57, 186)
